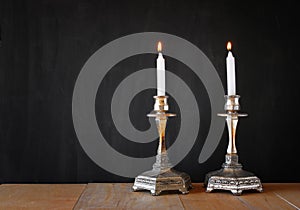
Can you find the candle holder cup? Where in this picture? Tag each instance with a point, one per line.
(231, 176)
(162, 177)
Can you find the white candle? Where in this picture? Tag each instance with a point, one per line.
(230, 63)
(160, 67)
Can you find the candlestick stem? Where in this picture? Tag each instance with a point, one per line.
(162, 160)
(232, 120)
(161, 123)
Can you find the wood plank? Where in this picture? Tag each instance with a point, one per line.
(199, 199)
(290, 192)
(39, 196)
(267, 199)
(120, 196)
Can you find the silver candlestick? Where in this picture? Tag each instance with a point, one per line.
(162, 177)
(231, 176)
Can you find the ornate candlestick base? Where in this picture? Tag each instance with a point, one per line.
(162, 177)
(158, 180)
(231, 176)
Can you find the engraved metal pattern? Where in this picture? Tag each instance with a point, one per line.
(231, 176)
(162, 177)
(235, 185)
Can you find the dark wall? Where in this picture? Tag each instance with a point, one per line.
(45, 43)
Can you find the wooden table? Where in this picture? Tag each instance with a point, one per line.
(119, 196)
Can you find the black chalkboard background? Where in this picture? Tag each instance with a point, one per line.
(45, 43)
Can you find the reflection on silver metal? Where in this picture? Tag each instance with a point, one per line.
(231, 176)
(162, 177)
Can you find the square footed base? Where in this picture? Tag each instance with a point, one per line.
(235, 180)
(157, 181)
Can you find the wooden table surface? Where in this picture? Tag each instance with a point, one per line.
(119, 196)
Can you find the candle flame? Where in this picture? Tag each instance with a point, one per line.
(159, 47)
(229, 45)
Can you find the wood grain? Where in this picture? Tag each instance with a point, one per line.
(199, 199)
(39, 196)
(289, 192)
(120, 196)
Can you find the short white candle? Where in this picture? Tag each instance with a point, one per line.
(160, 67)
(230, 63)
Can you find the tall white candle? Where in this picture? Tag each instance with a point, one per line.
(160, 67)
(230, 63)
